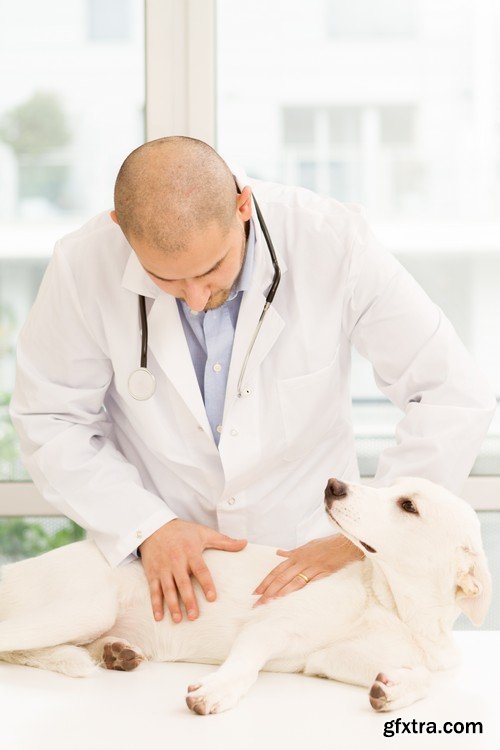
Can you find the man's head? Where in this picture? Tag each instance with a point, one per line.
(177, 203)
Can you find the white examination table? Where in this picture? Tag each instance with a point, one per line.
(145, 709)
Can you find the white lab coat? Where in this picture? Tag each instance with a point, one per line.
(122, 468)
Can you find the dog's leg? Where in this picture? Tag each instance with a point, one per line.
(112, 652)
(356, 662)
(256, 644)
(395, 688)
(73, 661)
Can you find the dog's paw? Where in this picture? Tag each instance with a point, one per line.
(380, 692)
(396, 688)
(214, 694)
(121, 655)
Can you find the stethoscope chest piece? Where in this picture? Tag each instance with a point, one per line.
(141, 384)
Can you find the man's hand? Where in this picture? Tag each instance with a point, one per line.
(171, 555)
(316, 559)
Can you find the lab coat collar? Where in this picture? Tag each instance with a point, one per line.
(135, 278)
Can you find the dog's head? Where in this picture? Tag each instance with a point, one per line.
(417, 529)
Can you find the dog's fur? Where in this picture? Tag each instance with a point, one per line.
(383, 622)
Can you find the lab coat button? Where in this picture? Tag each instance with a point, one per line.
(231, 501)
(200, 428)
(217, 367)
(246, 392)
(234, 432)
(138, 534)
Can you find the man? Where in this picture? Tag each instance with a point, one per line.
(202, 456)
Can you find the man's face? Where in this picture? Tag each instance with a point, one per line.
(204, 273)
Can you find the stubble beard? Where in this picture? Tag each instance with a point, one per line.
(220, 298)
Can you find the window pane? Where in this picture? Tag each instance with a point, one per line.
(393, 104)
(361, 19)
(28, 536)
(71, 109)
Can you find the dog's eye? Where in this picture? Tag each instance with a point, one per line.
(407, 505)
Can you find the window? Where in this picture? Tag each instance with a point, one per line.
(108, 20)
(58, 154)
(408, 129)
(359, 19)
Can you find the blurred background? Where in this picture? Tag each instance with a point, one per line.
(393, 104)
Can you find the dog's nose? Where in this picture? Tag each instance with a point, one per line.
(335, 489)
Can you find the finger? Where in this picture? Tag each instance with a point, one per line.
(282, 552)
(294, 584)
(203, 576)
(275, 574)
(271, 576)
(185, 588)
(156, 594)
(171, 598)
(221, 541)
(283, 579)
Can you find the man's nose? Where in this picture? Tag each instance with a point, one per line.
(335, 490)
(196, 296)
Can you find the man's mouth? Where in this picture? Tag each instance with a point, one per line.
(364, 544)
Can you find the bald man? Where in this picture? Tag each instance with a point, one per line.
(177, 203)
(184, 229)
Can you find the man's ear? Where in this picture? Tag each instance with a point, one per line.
(473, 584)
(244, 203)
(113, 216)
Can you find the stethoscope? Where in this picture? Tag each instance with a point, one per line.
(142, 382)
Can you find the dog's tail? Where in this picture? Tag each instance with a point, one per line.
(73, 661)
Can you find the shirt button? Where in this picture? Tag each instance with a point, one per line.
(217, 367)
(231, 501)
(193, 312)
(234, 432)
(138, 534)
(219, 428)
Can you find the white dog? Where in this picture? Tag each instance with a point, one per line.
(383, 622)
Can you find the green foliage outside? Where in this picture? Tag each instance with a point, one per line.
(37, 131)
(22, 537)
(36, 126)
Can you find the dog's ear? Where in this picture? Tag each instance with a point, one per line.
(473, 584)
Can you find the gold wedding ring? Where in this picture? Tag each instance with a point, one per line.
(303, 576)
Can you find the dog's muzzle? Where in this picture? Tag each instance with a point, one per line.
(337, 490)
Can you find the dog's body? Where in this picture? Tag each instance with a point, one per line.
(379, 622)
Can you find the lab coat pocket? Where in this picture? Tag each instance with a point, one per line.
(308, 406)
